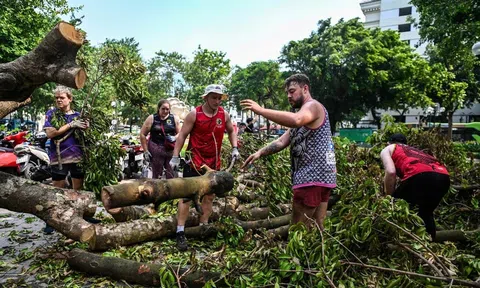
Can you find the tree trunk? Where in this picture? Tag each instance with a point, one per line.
(60, 208)
(107, 236)
(124, 214)
(132, 271)
(450, 125)
(7, 107)
(53, 60)
(453, 235)
(228, 206)
(333, 125)
(376, 119)
(146, 191)
(212, 229)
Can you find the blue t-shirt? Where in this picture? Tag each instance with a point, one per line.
(70, 149)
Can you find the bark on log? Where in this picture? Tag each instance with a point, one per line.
(453, 235)
(106, 236)
(228, 206)
(61, 208)
(124, 214)
(6, 107)
(139, 192)
(132, 271)
(467, 187)
(280, 232)
(212, 229)
(53, 60)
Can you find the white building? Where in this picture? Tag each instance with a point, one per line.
(393, 15)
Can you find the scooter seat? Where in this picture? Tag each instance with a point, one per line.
(39, 149)
(6, 150)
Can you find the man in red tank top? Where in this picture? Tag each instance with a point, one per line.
(205, 125)
(424, 180)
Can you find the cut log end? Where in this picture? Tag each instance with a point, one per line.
(88, 235)
(80, 79)
(69, 32)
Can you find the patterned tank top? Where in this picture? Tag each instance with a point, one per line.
(313, 156)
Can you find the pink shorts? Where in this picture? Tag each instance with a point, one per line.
(311, 196)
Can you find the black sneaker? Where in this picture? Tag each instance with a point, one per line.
(48, 229)
(181, 241)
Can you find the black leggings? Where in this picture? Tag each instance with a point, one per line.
(424, 190)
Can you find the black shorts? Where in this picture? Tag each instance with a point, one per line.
(60, 174)
(424, 189)
(189, 171)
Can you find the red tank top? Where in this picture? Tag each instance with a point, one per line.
(410, 161)
(206, 138)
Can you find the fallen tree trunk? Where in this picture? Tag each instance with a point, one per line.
(106, 236)
(61, 208)
(6, 107)
(280, 232)
(132, 271)
(228, 206)
(139, 192)
(466, 187)
(453, 235)
(124, 214)
(212, 229)
(53, 60)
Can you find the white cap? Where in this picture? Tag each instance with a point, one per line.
(217, 89)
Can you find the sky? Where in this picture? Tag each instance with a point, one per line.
(246, 30)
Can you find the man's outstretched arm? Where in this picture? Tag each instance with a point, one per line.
(272, 148)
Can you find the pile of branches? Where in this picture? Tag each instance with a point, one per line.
(369, 240)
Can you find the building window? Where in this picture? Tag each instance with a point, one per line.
(404, 27)
(405, 11)
(399, 118)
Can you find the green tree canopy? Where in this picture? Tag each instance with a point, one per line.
(353, 69)
(171, 74)
(451, 28)
(261, 81)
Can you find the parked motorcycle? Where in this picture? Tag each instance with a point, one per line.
(8, 159)
(133, 162)
(33, 161)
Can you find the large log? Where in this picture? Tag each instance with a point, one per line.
(453, 235)
(53, 60)
(132, 271)
(139, 192)
(105, 236)
(212, 229)
(228, 206)
(62, 209)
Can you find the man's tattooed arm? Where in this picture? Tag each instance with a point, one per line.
(272, 148)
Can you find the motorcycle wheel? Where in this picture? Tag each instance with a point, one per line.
(30, 169)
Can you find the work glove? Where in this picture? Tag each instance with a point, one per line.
(147, 156)
(175, 163)
(78, 124)
(235, 153)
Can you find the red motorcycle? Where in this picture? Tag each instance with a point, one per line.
(8, 160)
